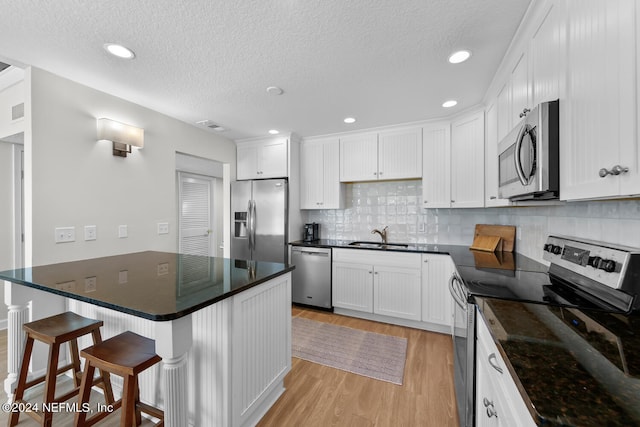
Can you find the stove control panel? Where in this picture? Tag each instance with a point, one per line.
(600, 262)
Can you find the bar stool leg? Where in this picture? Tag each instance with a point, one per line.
(22, 379)
(85, 392)
(106, 377)
(50, 382)
(128, 397)
(138, 414)
(75, 358)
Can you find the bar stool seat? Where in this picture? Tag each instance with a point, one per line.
(125, 355)
(55, 331)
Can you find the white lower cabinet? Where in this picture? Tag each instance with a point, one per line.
(436, 299)
(385, 283)
(498, 400)
(404, 288)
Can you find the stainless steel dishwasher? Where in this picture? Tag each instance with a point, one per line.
(312, 276)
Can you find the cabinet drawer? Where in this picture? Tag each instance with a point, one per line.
(382, 258)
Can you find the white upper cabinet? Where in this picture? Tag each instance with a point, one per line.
(392, 154)
(503, 112)
(320, 175)
(265, 158)
(467, 161)
(436, 165)
(520, 99)
(491, 178)
(400, 154)
(547, 55)
(599, 154)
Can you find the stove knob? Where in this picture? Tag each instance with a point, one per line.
(556, 250)
(594, 261)
(608, 265)
(547, 247)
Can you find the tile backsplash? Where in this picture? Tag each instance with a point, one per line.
(397, 204)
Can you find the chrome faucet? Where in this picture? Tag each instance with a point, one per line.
(382, 233)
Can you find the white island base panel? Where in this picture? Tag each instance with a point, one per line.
(237, 355)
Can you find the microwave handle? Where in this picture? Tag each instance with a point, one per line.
(516, 155)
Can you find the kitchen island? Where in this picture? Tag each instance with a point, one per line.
(221, 326)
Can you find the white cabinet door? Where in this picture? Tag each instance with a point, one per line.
(400, 154)
(262, 159)
(247, 162)
(352, 286)
(311, 175)
(467, 161)
(520, 104)
(548, 55)
(396, 292)
(436, 166)
(491, 183)
(333, 189)
(272, 159)
(436, 299)
(598, 126)
(504, 111)
(359, 157)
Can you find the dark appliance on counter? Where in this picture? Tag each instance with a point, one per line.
(583, 274)
(528, 157)
(311, 232)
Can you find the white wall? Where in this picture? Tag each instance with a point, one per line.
(74, 180)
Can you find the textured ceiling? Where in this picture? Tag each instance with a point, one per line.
(381, 61)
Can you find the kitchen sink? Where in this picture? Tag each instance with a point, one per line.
(378, 245)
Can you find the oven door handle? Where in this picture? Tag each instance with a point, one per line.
(524, 130)
(454, 293)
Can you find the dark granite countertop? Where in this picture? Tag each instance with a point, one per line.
(153, 285)
(573, 367)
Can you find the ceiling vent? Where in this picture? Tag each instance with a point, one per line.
(211, 125)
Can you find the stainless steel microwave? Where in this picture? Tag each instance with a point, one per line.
(528, 159)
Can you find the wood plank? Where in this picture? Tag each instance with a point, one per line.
(506, 232)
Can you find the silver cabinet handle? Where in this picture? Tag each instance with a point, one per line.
(425, 201)
(375, 173)
(493, 361)
(487, 402)
(379, 173)
(375, 272)
(491, 412)
(524, 112)
(616, 170)
(493, 197)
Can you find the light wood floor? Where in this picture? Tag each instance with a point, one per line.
(320, 396)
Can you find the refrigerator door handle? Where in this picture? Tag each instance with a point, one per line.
(250, 226)
(253, 223)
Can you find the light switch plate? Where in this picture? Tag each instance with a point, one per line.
(65, 234)
(123, 231)
(163, 228)
(90, 284)
(163, 268)
(123, 277)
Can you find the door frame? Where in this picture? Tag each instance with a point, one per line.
(18, 205)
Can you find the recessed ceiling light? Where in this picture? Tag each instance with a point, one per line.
(274, 132)
(349, 120)
(450, 103)
(119, 51)
(274, 90)
(459, 56)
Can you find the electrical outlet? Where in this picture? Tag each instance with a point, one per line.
(90, 232)
(163, 228)
(123, 231)
(163, 269)
(421, 227)
(90, 284)
(123, 277)
(65, 234)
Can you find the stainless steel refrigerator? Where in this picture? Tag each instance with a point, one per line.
(259, 215)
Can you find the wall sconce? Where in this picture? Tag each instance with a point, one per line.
(123, 136)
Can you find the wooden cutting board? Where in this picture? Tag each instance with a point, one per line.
(507, 233)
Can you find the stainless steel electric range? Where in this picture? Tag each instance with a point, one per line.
(583, 277)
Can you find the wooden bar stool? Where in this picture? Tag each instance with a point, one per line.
(54, 331)
(126, 355)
